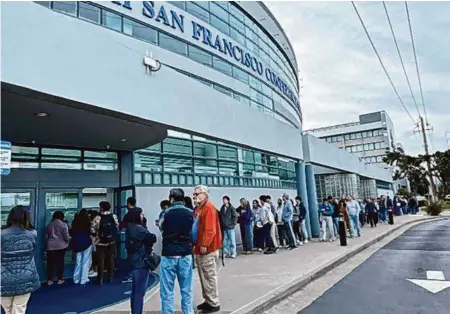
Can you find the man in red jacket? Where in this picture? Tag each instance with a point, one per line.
(206, 249)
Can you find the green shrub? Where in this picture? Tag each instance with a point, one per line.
(422, 203)
(434, 209)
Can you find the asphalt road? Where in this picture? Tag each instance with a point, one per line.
(380, 285)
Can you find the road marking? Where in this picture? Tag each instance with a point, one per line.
(433, 286)
(434, 283)
(435, 275)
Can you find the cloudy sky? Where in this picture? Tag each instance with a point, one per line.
(342, 75)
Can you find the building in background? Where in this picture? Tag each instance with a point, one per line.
(90, 118)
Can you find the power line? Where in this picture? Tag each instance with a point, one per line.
(415, 59)
(400, 56)
(381, 62)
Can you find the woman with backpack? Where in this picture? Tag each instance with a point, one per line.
(82, 246)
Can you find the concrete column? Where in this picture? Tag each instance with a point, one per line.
(302, 192)
(126, 168)
(312, 200)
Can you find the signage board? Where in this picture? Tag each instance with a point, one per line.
(5, 157)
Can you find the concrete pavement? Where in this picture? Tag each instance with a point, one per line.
(251, 284)
(407, 276)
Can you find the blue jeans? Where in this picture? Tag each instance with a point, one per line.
(229, 242)
(138, 289)
(82, 266)
(247, 236)
(304, 230)
(354, 224)
(336, 226)
(180, 268)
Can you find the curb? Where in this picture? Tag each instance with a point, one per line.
(299, 283)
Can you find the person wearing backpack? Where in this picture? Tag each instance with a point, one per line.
(208, 241)
(228, 218)
(105, 228)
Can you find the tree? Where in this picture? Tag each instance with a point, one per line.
(414, 169)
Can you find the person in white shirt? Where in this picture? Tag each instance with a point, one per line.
(353, 209)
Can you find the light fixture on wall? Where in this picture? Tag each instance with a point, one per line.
(41, 114)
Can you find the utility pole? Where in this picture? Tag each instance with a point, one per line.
(422, 129)
(447, 135)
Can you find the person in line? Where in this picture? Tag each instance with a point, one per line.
(93, 270)
(258, 235)
(131, 205)
(287, 220)
(105, 228)
(327, 211)
(353, 210)
(303, 213)
(273, 225)
(412, 205)
(139, 245)
(82, 246)
(336, 214)
(164, 205)
(176, 259)
(229, 218)
(265, 225)
(57, 238)
(188, 202)
(372, 213)
(206, 248)
(280, 224)
(383, 209)
(19, 275)
(296, 223)
(246, 225)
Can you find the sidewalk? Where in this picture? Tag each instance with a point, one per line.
(249, 283)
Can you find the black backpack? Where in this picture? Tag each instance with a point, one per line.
(107, 231)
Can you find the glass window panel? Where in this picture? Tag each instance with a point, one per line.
(137, 178)
(347, 137)
(237, 24)
(147, 162)
(100, 155)
(89, 12)
(267, 91)
(220, 25)
(226, 152)
(140, 31)
(157, 178)
(24, 153)
(171, 43)
(256, 96)
(24, 165)
(240, 75)
(267, 102)
(222, 66)
(69, 7)
(205, 166)
(218, 11)
(166, 178)
(248, 156)
(100, 166)
(177, 164)
(61, 165)
(203, 4)
(206, 150)
(223, 4)
(154, 148)
(255, 83)
(177, 146)
(61, 152)
(180, 4)
(199, 55)
(358, 135)
(237, 13)
(352, 136)
(197, 11)
(45, 4)
(223, 90)
(237, 36)
(182, 179)
(112, 20)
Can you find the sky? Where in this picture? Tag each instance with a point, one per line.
(343, 78)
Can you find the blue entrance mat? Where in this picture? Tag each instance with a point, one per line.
(75, 299)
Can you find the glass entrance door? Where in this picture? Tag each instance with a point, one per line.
(14, 197)
(120, 209)
(51, 200)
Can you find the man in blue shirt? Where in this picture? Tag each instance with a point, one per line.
(176, 260)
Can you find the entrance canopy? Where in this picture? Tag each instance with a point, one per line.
(29, 116)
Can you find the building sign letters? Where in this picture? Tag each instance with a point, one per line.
(175, 20)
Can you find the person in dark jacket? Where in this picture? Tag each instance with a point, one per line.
(57, 236)
(229, 218)
(82, 246)
(372, 212)
(245, 217)
(176, 260)
(131, 205)
(412, 205)
(336, 214)
(19, 276)
(139, 244)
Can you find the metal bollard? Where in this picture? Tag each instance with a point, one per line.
(342, 231)
(391, 217)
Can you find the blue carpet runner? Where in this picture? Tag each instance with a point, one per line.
(69, 298)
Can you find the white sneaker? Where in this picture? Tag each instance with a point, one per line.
(92, 274)
(300, 243)
(306, 241)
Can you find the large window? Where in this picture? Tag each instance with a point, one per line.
(181, 161)
(171, 43)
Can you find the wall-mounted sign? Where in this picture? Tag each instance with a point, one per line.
(202, 34)
(5, 157)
